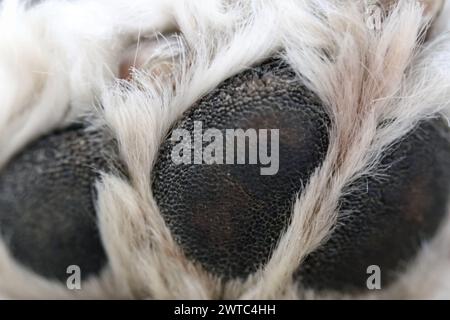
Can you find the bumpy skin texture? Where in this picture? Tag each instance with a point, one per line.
(229, 217)
(47, 214)
(390, 216)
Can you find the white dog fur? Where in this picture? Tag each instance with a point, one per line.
(60, 60)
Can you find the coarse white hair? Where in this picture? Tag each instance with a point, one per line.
(60, 60)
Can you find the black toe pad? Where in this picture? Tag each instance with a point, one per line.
(228, 217)
(47, 215)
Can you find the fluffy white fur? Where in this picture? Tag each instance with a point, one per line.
(59, 60)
